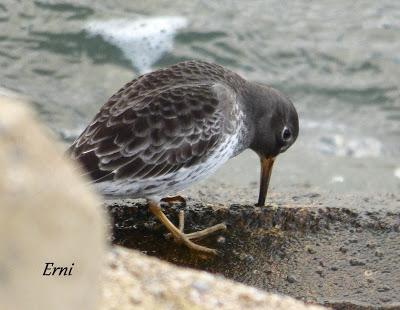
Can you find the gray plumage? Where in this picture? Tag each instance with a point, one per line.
(173, 126)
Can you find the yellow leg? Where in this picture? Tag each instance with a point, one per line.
(179, 235)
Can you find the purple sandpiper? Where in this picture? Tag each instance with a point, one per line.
(169, 128)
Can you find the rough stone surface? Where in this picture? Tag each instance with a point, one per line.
(135, 281)
(339, 251)
(46, 215)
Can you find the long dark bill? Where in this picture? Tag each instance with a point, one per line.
(266, 169)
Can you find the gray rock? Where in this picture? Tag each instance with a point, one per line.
(135, 281)
(47, 215)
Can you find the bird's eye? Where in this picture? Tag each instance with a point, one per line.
(286, 134)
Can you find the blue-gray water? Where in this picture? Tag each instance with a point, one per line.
(338, 60)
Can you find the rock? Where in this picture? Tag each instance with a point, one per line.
(47, 215)
(292, 237)
(291, 278)
(135, 281)
(356, 262)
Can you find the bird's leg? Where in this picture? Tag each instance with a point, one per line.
(198, 234)
(181, 220)
(179, 235)
(201, 233)
(176, 199)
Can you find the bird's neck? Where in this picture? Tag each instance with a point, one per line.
(246, 126)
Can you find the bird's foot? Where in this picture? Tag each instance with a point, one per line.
(178, 233)
(186, 239)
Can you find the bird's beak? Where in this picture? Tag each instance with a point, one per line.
(266, 169)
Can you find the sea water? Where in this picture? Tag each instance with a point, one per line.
(339, 61)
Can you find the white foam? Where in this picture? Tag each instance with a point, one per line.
(337, 179)
(326, 125)
(397, 172)
(339, 145)
(143, 41)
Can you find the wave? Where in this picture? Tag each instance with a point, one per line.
(143, 41)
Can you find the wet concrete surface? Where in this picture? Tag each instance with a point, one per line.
(342, 252)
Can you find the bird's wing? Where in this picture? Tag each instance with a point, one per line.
(157, 133)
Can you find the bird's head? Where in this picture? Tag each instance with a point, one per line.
(275, 129)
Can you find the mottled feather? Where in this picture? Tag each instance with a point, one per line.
(159, 123)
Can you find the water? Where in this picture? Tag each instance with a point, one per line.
(339, 61)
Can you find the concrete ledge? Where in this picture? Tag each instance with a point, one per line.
(306, 246)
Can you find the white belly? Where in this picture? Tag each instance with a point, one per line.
(158, 187)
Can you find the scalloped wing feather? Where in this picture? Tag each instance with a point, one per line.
(144, 132)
